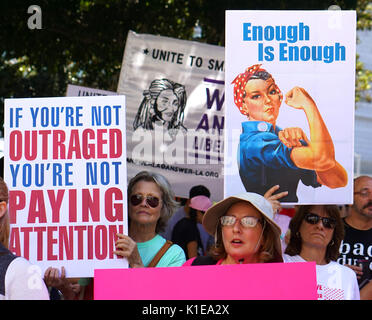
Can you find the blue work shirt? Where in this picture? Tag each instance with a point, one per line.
(264, 161)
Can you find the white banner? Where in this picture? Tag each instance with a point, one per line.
(65, 166)
(78, 91)
(175, 110)
(290, 82)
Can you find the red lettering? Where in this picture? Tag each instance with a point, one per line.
(100, 143)
(90, 205)
(59, 150)
(30, 147)
(80, 230)
(44, 138)
(113, 212)
(15, 241)
(100, 234)
(90, 242)
(37, 207)
(66, 242)
(17, 201)
(116, 139)
(72, 206)
(55, 203)
(74, 145)
(39, 245)
(51, 242)
(93, 242)
(15, 145)
(89, 149)
(26, 241)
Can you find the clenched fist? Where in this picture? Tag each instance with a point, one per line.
(298, 98)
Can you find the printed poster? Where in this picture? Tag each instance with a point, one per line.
(65, 167)
(175, 110)
(290, 82)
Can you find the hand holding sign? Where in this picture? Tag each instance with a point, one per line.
(274, 198)
(126, 247)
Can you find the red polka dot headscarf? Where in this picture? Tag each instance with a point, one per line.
(240, 82)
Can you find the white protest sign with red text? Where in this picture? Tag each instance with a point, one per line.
(65, 167)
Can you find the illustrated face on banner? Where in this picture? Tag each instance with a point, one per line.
(256, 94)
(167, 104)
(262, 100)
(294, 136)
(175, 116)
(164, 101)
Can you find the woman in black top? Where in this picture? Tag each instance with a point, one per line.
(186, 233)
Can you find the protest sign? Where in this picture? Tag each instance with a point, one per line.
(175, 115)
(262, 281)
(78, 91)
(311, 58)
(65, 166)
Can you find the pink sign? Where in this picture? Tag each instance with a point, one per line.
(264, 281)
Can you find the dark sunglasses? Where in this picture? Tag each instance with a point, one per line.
(313, 218)
(151, 201)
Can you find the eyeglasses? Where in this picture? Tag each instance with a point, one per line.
(364, 193)
(151, 201)
(247, 222)
(313, 218)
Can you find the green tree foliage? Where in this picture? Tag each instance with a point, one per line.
(82, 41)
(363, 76)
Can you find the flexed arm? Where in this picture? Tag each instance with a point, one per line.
(319, 154)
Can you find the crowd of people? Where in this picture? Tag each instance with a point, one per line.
(238, 229)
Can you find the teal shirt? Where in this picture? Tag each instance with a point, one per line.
(174, 257)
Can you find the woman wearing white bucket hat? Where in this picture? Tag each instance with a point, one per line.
(244, 231)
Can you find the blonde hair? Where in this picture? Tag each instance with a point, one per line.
(4, 220)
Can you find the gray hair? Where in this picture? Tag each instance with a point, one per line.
(168, 198)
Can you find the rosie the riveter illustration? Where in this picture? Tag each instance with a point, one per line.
(164, 105)
(269, 155)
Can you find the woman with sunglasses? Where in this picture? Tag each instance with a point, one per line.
(244, 231)
(316, 233)
(151, 204)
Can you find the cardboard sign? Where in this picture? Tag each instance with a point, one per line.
(309, 59)
(264, 281)
(65, 167)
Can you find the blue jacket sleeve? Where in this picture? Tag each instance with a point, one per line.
(265, 148)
